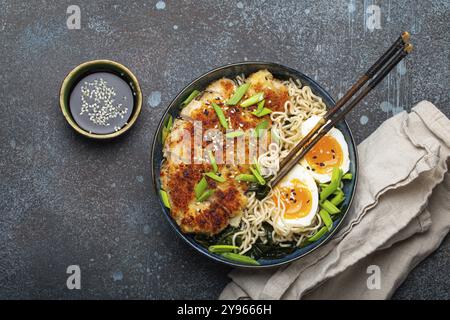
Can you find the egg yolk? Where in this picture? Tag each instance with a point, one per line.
(325, 155)
(297, 199)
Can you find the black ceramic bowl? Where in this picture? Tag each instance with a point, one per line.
(231, 71)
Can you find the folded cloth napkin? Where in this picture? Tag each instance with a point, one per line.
(400, 214)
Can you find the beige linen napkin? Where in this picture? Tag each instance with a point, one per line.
(400, 214)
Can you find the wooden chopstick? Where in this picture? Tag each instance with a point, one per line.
(397, 57)
(402, 40)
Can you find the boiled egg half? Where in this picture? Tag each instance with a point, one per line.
(331, 151)
(299, 195)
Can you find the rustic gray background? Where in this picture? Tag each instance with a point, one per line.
(67, 200)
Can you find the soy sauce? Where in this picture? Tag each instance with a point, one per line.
(101, 103)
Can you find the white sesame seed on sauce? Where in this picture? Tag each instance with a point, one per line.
(101, 103)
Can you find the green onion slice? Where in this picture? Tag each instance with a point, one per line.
(164, 198)
(318, 234)
(164, 134)
(220, 115)
(212, 160)
(326, 219)
(334, 184)
(246, 178)
(253, 100)
(205, 195)
(200, 187)
(166, 129)
(240, 258)
(257, 166)
(331, 208)
(222, 248)
(238, 94)
(234, 134)
(347, 176)
(258, 177)
(214, 176)
(191, 97)
(259, 129)
(169, 122)
(262, 113)
(260, 106)
(338, 198)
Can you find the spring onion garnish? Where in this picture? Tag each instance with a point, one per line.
(246, 178)
(262, 113)
(260, 106)
(240, 258)
(238, 94)
(258, 177)
(220, 115)
(331, 208)
(166, 128)
(253, 100)
(338, 198)
(334, 184)
(222, 248)
(164, 134)
(259, 129)
(205, 195)
(326, 219)
(169, 122)
(347, 176)
(234, 134)
(318, 234)
(257, 166)
(164, 198)
(200, 187)
(214, 176)
(212, 160)
(191, 97)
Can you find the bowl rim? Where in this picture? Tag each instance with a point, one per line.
(175, 226)
(91, 64)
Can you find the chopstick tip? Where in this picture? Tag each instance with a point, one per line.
(409, 48)
(406, 36)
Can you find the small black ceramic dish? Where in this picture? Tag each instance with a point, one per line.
(279, 72)
(100, 99)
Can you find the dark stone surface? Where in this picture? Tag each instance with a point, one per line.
(67, 200)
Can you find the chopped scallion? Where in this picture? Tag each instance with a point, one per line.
(169, 122)
(262, 113)
(234, 134)
(191, 97)
(260, 106)
(246, 178)
(164, 198)
(200, 187)
(220, 115)
(240, 258)
(222, 248)
(259, 129)
(238, 94)
(347, 176)
(334, 184)
(205, 195)
(258, 177)
(253, 100)
(319, 234)
(338, 198)
(331, 208)
(215, 177)
(326, 219)
(212, 160)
